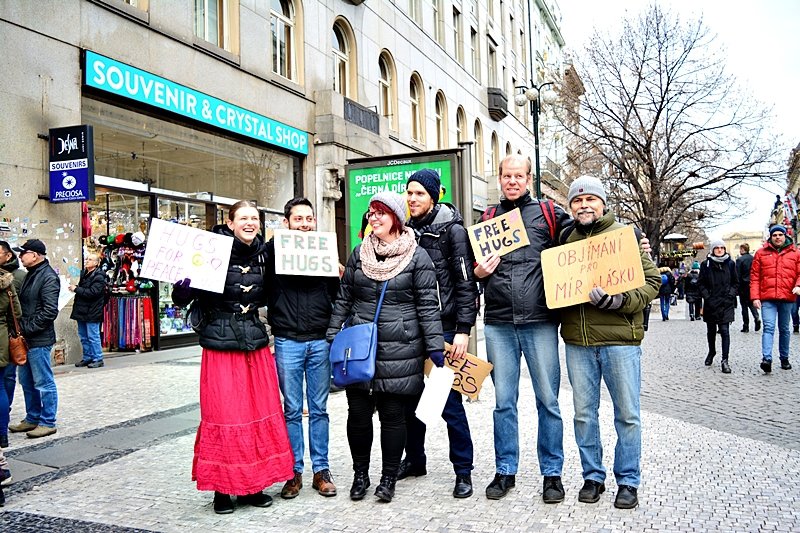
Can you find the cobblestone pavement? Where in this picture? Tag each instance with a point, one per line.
(720, 452)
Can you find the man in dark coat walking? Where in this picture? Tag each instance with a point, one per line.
(743, 265)
(87, 310)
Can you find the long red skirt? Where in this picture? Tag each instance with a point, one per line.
(242, 445)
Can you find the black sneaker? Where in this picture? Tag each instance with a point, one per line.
(500, 486)
(709, 359)
(83, 362)
(766, 366)
(552, 489)
(785, 364)
(96, 364)
(591, 491)
(626, 497)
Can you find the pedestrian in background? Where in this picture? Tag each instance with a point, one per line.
(298, 312)
(10, 263)
(242, 445)
(87, 310)
(774, 286)
(8, 296)
(665, 291)
(718, 287)
(439, 229)
(603, 341)
(39, 300)
(693, 297)
(409, 329)
(743, 265)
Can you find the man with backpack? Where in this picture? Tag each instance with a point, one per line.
(518, 322)
(439, 229)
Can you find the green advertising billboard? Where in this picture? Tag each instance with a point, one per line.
(366, 177)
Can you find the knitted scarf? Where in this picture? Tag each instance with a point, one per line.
(397, 255)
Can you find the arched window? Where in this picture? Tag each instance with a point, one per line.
(416, 98)
(344, 59)
(461, 125)
(282, 19)
(508, 148)
(441, 121)
(495, 153)
(387, 87)
(477, 152)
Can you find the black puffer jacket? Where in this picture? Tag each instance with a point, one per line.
(89, 297)
(443, 236)
(299, 306)
(230, 320)
(514, 292)
(39, 299)
(719, 288)
(408, 327)
(743, 265)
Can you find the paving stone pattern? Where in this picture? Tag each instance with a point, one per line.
(720, 453)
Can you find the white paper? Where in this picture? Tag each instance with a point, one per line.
(64, 294)
(306, 253)
(437, 388)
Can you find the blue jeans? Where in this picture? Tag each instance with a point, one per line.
(310, 360)
(505, 346)
(664, 306)
(620, 368)
(89, 334)
(39, 387)
(461, 450)
(770, 310)
(5, 405)
(10, 383)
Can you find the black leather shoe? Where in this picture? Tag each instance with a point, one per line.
(222, 503)
(766, 366)
(385, 490)
(259, 499)
(552, 489)
(360, 485)
(709, 359)
(785, 364)
(591, 491)
(463, 488)
(726, 368)
(500, 486)
(626, 497)
(408, 469)
(83, 362)
(758, 325)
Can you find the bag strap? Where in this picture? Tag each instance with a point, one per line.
(489, 213)
(549, 213)
(11, 308)
(380, 301)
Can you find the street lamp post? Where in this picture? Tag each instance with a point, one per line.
(533, 95)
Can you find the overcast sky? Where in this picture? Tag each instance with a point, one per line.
(763, 44)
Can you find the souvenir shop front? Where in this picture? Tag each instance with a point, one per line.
(148, 167)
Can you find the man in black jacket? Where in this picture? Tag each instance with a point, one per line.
(743, 264)
(87, 311)
(518, 322)
(39, 300)
(439, 229)
(298, 312)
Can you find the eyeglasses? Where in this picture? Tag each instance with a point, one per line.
(375, 214)
(23, 252)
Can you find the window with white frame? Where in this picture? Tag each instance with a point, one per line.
(495, 154)
(341, 61)
(457, 36)
(417, 100)
(475, 52)
(415, 10)
(438, 21)
(283, 49)
(461, 125)
(477, 152)
(387, 88)
(491, 66)
(441, 121)
(214, 22)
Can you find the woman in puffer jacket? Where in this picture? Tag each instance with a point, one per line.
(718, 287)
(409, 329)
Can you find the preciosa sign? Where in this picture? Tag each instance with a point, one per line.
(111, 76)
(71, 164)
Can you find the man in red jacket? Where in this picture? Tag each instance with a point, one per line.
(774, 284)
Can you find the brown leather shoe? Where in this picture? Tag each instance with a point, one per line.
(292, 487)
(323, 483)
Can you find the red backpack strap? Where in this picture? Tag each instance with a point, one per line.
(489, 213)
(549, 213)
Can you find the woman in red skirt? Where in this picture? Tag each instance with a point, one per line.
(242, 445)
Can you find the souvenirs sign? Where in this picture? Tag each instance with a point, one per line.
(306, 253)
(499, 235)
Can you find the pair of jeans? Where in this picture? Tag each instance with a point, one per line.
(711, 336)
(89, 334)
(747, 305)
(506, 344)
(620, 368)
(10, 383)
(461, 450)
(665, 306)
(773, 311)
(39, 386)
(5, 404)
(361, 404)
(310, 361)
(796, 312)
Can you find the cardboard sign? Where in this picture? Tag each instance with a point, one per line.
(175, 252)
(469, 372)
(610, 260)
(499, 235)
(306, 253)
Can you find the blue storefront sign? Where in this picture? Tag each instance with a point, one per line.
(123, 80)
(71, 164)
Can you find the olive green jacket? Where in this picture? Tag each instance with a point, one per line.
(6, 284)
(586, 325)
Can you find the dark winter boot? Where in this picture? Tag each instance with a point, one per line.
(746, 328)
(385, 491)
(726, 368)
(222, 503)
(360, 485)
(709, 359)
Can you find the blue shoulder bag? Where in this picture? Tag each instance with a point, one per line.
(353, 350)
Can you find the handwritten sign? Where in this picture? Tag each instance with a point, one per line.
(306, 253)
(470, 372)
(175, 252)
(499, 235)
(610, 260)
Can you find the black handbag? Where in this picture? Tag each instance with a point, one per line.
(354, 348)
